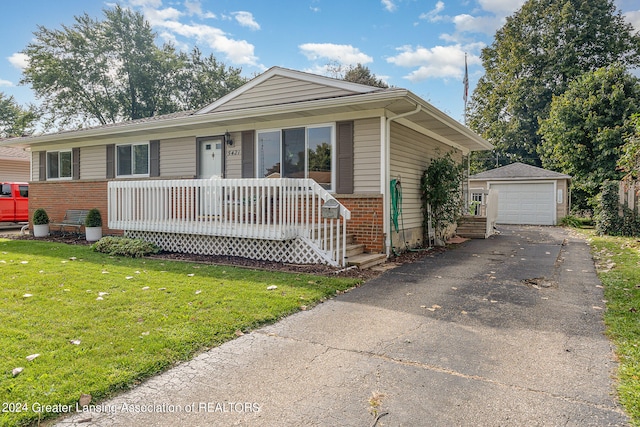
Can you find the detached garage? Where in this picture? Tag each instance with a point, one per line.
(526, 194)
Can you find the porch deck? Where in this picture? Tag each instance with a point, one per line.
(483, 212)
(229, 213)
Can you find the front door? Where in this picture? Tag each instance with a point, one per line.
(211, 158)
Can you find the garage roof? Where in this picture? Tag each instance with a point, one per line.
(518, 171)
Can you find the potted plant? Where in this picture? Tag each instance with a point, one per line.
(40, 223)
(93, 225)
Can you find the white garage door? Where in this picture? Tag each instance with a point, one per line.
(530, 203)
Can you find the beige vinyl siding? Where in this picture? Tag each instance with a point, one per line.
(35, 165)
(562, 209)
(281, 90)
(178, 158)
(93, 164)
(366, 156)
(14, 170)
(411, 153)
(233, 157)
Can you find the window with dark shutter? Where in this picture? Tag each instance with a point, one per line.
(111, 161)
(42, 166)
(75, 163)
(248, 154)
(344, 149)
(154, 158)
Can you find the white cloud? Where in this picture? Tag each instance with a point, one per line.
(195, 8)
(343, 54)
(389, 5)
(19, 60)
(478, 24)
(146, 3)
(237, 51)
(167, 22)
(634, 18)
(173, 40)
(501, 7)
(246, 20)
(5, 83)
(434, 15)
(158, 16)
(436, 62)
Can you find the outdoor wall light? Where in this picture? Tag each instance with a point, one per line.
(227, 138)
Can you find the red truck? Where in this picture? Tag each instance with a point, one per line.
(14, 202)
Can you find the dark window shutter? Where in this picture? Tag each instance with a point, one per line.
(198, 160)
(154, 158)
(111, 161)
(75, 161)
(42, 166)
(344, 160)
(248, 154)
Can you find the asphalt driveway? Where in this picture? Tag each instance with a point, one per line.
(506, 331)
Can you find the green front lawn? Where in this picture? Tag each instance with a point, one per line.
(101, 324)
(618, 261)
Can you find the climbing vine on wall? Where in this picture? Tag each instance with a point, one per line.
(611, 217)
(440, 189)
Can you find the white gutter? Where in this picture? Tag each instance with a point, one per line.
(385, 171)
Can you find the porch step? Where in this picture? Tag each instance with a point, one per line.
(354, 249)
(473, 227)
(363, 261)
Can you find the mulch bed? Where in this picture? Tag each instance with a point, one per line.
(317, 269)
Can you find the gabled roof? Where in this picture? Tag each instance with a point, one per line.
(325, 87)
(280, 94)
(518, 171)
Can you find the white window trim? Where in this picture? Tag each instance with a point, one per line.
(59, 178)
(331, 125)
(133, 144)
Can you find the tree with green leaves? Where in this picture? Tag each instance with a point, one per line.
(361, 74)
(107, 71)
(14, 120)
(535, 55)
(629, 161)
(585, 130)
(440, 188)
(204, 79)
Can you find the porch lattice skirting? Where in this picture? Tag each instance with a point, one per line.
(294, 251)
(284, 220)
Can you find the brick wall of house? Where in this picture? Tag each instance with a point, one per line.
(366, 223)
(59, 196)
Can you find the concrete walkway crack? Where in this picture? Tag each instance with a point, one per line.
(446, 371)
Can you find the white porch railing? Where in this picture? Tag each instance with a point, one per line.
(265, 209)
(484, 203)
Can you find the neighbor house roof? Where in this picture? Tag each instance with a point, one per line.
(518, 171)
(254, 104)
(12, 153)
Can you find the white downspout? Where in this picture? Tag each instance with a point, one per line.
(385, 171)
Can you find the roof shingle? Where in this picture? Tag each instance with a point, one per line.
(518, 171)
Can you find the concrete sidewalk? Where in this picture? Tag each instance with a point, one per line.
(498, 332)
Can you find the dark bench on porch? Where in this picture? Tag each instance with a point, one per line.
(72, 218)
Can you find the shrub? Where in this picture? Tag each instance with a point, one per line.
(606, 210)
(440, 187)
(93, 219)
(612, 218)
(571, 221)
(40, 217)
(125, 246)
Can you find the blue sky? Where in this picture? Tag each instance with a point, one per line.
(414, 44)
